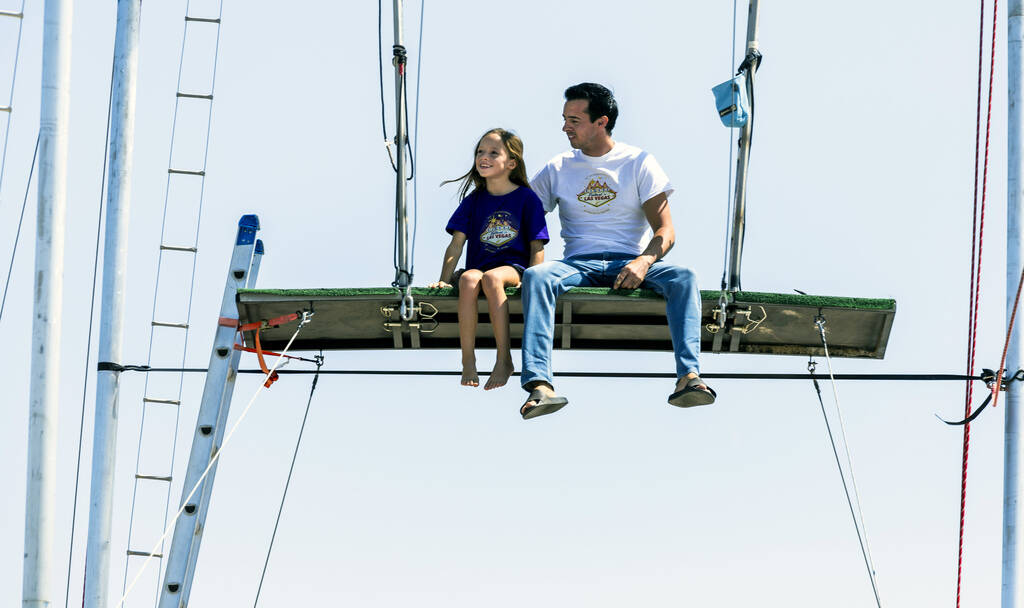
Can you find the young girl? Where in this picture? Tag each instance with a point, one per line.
(503, 221)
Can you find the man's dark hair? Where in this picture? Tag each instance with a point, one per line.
(600, 102)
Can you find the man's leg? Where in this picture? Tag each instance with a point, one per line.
(542, 284)
(678, 286)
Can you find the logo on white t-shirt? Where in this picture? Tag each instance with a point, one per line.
(499, 229)
(597, 192)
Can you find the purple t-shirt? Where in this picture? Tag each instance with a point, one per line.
(499, 228)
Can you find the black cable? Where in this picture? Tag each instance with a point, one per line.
(380, 69)
(17, 234)
(288, 482)
(710, 375)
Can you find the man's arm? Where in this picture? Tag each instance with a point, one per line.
(536, 252)
(660, 218)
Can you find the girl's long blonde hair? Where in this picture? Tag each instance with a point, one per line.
(473, 181)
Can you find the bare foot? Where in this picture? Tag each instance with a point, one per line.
(499, 375)
(469, 375)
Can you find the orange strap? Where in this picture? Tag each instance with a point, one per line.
(264, 324)
(255, 329)
(263, 364)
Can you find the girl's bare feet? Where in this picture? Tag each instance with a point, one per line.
(500, 374)
(469, 375)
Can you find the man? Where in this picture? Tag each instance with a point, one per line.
(608, 194)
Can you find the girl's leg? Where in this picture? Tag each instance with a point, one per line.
(494, 283)
(469, 293)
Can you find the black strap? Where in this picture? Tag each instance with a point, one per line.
(109, 366)
(971, 418)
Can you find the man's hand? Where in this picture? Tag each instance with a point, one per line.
(632, 275)
(438, 284)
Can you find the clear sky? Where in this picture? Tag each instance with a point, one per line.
(417, 491)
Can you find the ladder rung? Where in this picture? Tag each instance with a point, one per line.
(5, 109)
(164, 401)
(177, 325)
(203, 19)
(195, 96)
(176, 248)
(144, 554)
(14, 14)
(185, 172)
(153, 477)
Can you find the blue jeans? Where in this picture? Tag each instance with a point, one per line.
(543, 283)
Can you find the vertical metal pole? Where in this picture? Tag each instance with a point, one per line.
(742, 162)
(1013, 551)
(48, 290)
(115, 253)
(402, 278)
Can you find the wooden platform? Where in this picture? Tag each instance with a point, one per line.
(586, 318)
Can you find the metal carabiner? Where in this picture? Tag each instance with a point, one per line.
(723, 308)
(407, 310)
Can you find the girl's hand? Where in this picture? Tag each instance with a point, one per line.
(438, 285)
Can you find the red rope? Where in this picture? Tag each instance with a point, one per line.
(977, 241)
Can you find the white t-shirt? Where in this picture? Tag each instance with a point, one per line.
(599, 198)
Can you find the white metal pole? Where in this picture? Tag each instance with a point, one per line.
(48, 292)
(115, 253)
(1013, 551)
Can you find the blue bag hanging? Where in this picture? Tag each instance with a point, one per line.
(731, 100)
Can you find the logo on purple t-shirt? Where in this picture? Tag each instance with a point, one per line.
(498, 229)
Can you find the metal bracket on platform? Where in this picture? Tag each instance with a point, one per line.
(424, 311)
(726, 321)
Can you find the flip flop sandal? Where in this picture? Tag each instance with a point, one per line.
(545, 405)
(691, 396)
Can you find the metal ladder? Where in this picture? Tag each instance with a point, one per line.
(212, 422)
(172, 306)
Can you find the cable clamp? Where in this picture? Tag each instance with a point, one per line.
(752, 60)
(400, 56)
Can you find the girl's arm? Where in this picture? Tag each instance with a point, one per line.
(451, 258)
(536, 252)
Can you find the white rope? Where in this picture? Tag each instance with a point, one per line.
(862, 532)
(216, 457)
